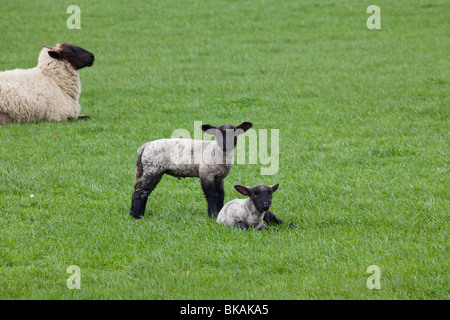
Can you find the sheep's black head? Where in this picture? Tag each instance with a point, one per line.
(76, 56)
(261, 195)
(226, 135)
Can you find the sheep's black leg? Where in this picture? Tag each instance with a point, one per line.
(142, 190)
(220, 194)
(270, 218)
(211, 196)
(242, 225)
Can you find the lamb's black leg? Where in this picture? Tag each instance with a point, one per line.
(138, 203)
(220, 194)
(211, 196)
(242, 225)
(270, 218)
(142, 190)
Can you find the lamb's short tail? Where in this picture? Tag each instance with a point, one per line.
(139, 169)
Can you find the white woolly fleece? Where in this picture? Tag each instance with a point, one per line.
(49, 91)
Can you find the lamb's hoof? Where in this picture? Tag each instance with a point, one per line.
(134, 215)
(83, 117)
(213, 215)
(291, 225)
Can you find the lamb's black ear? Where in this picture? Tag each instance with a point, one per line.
(55, 54)
(275, 187)
(206, 127)
(244, 126)
(242, 190)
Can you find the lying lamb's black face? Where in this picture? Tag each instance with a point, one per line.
(76, 56)
(227, 134)
(261, 195)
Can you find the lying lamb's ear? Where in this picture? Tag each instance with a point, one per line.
(275, 187)
(244, 126)
(206, 127)
(242, 190)
(55, 54)
(47, 47)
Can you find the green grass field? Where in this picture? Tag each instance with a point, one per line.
(364, 141)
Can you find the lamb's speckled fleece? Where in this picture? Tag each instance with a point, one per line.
(241, 210)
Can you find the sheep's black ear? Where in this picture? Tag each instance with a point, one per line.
(206, 127)
(244, 126)
(275, 187)
(242, 190)
(55, 54)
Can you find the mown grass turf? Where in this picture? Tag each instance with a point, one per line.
(363, 120)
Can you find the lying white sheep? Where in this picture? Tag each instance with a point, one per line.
(250, 212)
(49, 91)
(211, 161)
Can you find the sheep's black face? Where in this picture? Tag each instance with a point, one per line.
(76, 56)
(226, 135)
(261, 195)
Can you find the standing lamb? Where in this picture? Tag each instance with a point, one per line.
(49, 91)
(250, 212)
(211, 161)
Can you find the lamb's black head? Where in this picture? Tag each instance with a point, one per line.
(226, 135)
(261, 195)
(76, 56)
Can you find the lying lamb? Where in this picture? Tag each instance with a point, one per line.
(211, 161)
(250, 212)
(49, 91)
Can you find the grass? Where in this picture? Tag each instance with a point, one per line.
(364, 140)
